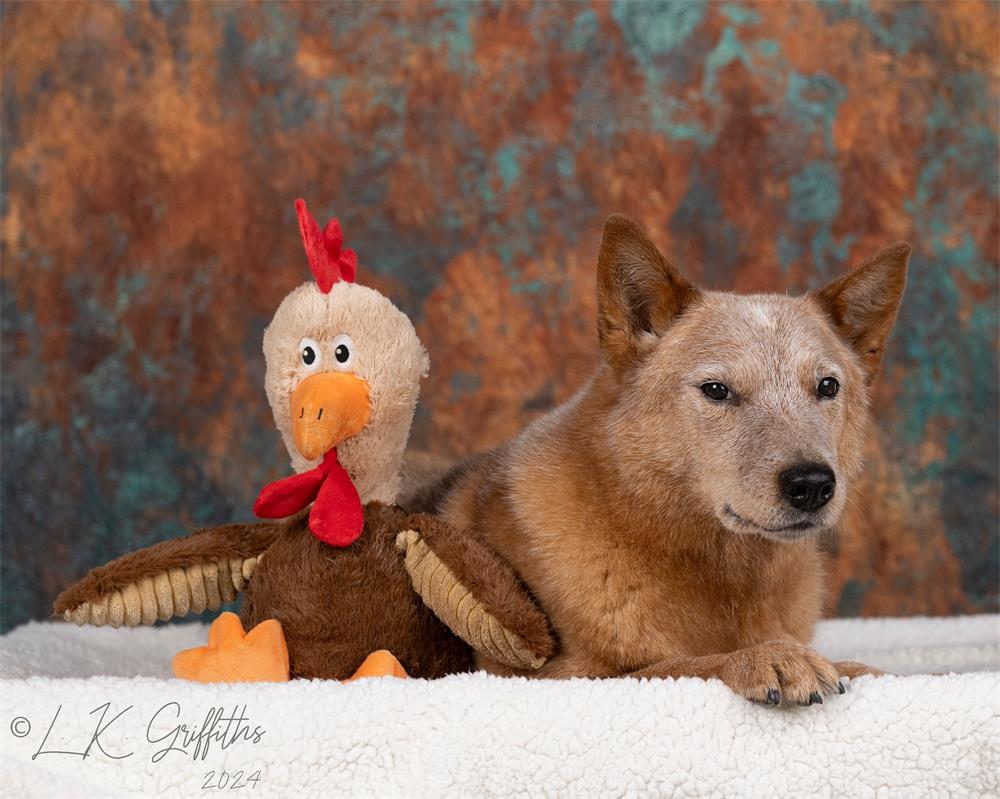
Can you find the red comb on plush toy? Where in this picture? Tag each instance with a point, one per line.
(328, 261)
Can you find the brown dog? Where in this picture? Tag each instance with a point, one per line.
(666, 517)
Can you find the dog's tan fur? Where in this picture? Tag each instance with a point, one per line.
(636, 512)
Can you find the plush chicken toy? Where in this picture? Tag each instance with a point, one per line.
(343, 582)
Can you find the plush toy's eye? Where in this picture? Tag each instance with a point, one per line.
(309, 353)
(828, 387)
(715, 390)
(343, 350)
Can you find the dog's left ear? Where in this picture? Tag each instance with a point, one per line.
(863, 303)
(639, 294)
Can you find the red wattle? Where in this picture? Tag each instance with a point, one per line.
(336, 518)
(289, 495)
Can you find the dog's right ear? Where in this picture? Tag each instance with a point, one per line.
(863, 303)
(639, 294)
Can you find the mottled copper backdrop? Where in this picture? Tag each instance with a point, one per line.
(151, 154)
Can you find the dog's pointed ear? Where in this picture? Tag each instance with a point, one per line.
(639, 294)
(863, 303)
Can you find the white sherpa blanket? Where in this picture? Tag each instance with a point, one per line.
(66, 691)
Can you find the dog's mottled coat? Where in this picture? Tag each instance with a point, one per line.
(647, 518)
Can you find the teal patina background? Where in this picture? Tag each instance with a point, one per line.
(151, 154)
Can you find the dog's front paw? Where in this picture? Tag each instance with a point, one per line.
(781, 671)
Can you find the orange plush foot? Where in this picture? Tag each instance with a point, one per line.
(379, 664)
(235, 656)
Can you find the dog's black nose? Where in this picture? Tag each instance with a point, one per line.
(807, 486)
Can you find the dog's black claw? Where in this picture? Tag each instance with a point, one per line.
(815, 698)
(773, 696)
(840, 688)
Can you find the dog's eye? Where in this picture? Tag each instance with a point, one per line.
(715, 391)
(828, 387)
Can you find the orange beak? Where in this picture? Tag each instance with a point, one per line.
(328, 408)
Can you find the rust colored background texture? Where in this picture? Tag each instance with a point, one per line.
(151, 154)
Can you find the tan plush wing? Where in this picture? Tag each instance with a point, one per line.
(476, 594)
(185, 575)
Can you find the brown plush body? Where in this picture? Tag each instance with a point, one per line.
(338, 605)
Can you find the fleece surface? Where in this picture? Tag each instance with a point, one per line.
(475, 735)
